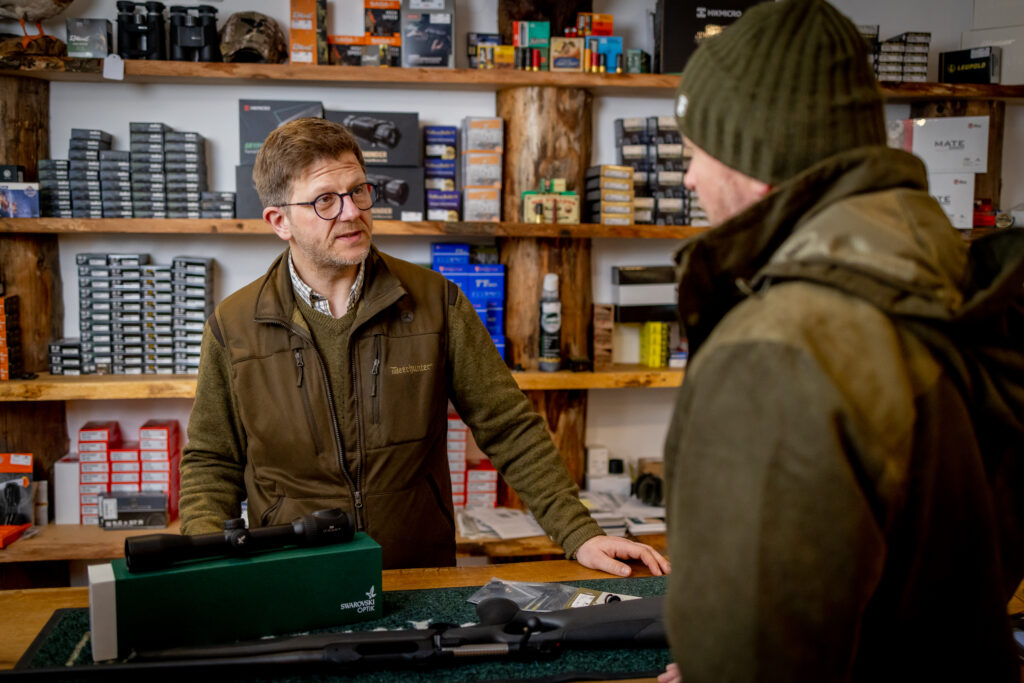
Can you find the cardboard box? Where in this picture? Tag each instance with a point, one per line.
(566, 54)
(428, 38)
(346, 50)
(401, 191)
(382, 18)
(221, 600)
(679, 27)
(307, 35)
(89, 38)
(19, 200)
(955, 194)
(257, 118)
(482, 134)
(955, 144)
(482, 204)
(974, 65)
(473, 43)
(385, 138)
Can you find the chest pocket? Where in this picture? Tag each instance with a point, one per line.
(401, 381)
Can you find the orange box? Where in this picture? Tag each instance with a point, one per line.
(20, 463)
(591, 24)
(307, 33)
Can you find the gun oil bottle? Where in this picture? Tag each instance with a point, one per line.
(550, 325)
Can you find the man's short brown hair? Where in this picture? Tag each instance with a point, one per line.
(292, 148)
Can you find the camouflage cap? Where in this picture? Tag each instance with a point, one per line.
(252, 37)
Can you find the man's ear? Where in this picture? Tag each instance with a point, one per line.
(275, 215)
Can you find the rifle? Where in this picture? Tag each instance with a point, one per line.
(504, 632)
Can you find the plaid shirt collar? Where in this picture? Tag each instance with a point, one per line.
(320, 302)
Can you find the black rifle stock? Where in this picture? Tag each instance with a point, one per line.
(505, 632)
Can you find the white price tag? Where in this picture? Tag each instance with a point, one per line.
(113, 68)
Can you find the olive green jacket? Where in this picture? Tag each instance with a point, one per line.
(266, 426)
(845, 457)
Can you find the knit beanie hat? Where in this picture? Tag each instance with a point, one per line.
(786, 86)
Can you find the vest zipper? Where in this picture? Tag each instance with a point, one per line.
(359, 427)
(307, 406)
(374, 393)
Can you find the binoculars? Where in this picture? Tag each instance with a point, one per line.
(193, 34)
(141, 33)
(140, 30)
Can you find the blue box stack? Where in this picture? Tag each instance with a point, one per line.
(483, 285)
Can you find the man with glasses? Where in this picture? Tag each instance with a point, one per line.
(325, 383)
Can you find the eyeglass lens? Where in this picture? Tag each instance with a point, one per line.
(330, 204)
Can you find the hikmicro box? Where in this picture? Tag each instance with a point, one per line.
(400, 193)
(89, 38)
(221, 600)
(385, 138)
(428, 37)
(257, 118)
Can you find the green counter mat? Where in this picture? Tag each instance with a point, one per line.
(57, 644)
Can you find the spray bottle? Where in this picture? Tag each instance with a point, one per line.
(550, 325)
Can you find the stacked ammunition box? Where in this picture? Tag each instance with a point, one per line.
(11, 360)
(66, 356)
(215, 204)
(84, 171)
(608, 195)
(665, 180)
(149, 182)
(185, 170)
(137, 317)
(157, 320)
(116, 183)
(440, 152)
(902, 58)
(483, 143)
(55, 188)
(192, 278)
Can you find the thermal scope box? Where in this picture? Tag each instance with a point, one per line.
(385, 138)
(257, 118)
(220, 600)
(400, 193)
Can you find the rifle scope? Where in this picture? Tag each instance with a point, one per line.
(160, 551)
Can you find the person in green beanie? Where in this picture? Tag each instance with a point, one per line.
(845, 461)
(325, 383)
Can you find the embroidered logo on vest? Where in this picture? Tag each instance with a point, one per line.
(410, 369)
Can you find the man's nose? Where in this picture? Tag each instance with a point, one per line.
(349, 210)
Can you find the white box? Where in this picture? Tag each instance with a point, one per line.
(597, 461)
(955, 194)
(954, 144)
(88, 456)
(65, 491)
(487, 500)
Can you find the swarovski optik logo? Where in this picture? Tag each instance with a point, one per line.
(362, 606)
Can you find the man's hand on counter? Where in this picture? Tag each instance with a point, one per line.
(600, 553)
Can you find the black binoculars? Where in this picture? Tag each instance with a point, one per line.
(193, 34)
(140, 30)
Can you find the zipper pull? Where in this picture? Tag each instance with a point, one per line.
(359, 500)
(299, 364)
(375, 372)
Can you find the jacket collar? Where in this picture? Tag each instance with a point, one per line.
(275, 301)
(719, 267)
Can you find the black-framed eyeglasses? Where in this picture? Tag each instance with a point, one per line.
(329, 205)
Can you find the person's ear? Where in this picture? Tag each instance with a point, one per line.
(276, 216)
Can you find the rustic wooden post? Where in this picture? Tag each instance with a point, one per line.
(547, 134)
(30, 268)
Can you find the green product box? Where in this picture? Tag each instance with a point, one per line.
(638, 61)
(222, 600)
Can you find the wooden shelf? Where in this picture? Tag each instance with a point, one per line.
(153, 71)
(144, 71)
(48, 387)
(236, 226)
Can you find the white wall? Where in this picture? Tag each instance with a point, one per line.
(630, 422)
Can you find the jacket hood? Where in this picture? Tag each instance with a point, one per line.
(863, 222)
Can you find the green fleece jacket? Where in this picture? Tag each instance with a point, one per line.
(353, 415)
(844, 462)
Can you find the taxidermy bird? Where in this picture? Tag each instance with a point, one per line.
(32, 11)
